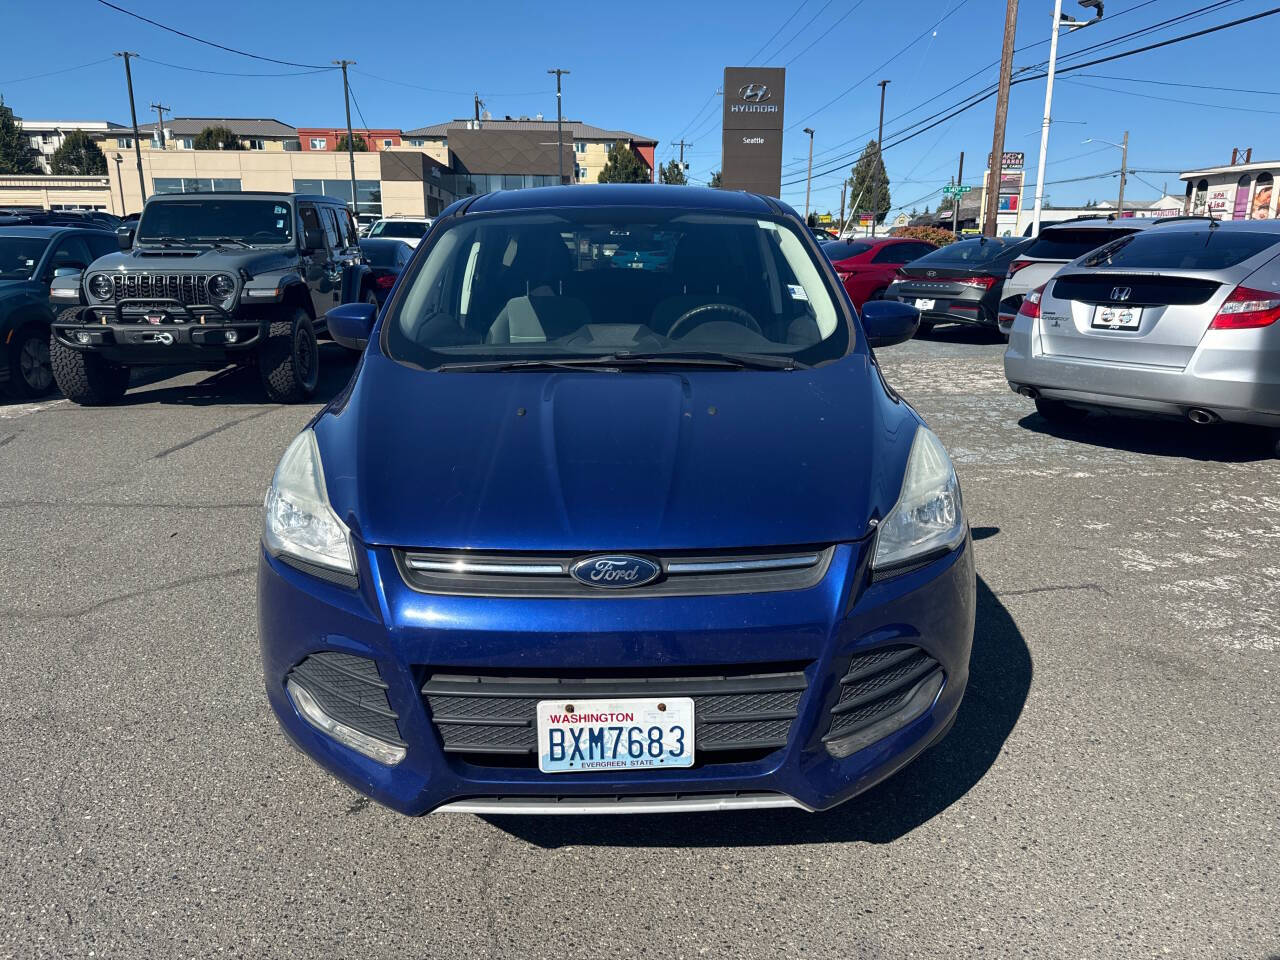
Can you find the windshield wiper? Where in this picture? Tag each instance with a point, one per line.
(485, 366)
(226, 241)
(614, 362)
(163, 242)
(749, 361)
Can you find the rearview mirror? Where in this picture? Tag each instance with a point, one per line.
(124, 236)
(351, 324)
(888, 322)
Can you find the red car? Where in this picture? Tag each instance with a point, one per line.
(866, 266)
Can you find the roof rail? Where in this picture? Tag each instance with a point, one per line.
(1182, 218)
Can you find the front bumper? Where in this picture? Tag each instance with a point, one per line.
(1233, 374)
(186, 334)
(409, 635)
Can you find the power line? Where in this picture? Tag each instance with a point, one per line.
(210, 43)
(460, 93)
(799, 7)
(1190, 86)
(52, 73)
(1179, 101)
(232, 73)
(825, 33)
(821, 11)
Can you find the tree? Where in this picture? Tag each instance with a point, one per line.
(672, 173)
(624, 166)
(716, 180)
(16, 152)
(215, 138)
(360, 145)
(870, 182)
(78, 156)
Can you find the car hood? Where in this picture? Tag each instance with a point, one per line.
(581, 461)
(204, 259)
(19, 288)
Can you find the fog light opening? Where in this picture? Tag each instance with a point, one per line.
(82, 337)
(385, 753)
(921, 699)
(231, 336)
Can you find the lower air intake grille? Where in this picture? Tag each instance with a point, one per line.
(878, 683)
(349, 689)
(737, 716)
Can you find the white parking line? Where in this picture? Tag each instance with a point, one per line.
(14, 410)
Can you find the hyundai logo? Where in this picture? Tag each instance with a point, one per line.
(931, 273)
(753, 93)
(1121, 294)
(615, 571)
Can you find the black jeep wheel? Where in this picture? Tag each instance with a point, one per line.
(289, 359)
(30, 373)
(86, 378)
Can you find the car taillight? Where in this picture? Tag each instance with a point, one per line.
(978, 283)
(385, 282)
(1247, 307)
(1016, 266)
(1031, 303)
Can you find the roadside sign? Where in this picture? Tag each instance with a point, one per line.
(953, 190)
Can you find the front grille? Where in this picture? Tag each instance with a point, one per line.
(738, 715)
(187, 288)
(463, 573)
(876, 685)
(349, 689)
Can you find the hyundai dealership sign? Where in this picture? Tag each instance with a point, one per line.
(752, 145)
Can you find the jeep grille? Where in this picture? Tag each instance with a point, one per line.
(189, 288)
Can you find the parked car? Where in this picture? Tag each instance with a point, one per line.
(409, 229)
(1179, 321)
(584, 539)
(387, 259)
(210, 279)
(29, 258)
(1056, 245)
(868, 266)
(57, 218)
(958, 283)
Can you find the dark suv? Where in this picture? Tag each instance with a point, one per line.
(210, 279)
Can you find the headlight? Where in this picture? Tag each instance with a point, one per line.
(221, 286)
(928, 517)
(101, 287)
(300, 523)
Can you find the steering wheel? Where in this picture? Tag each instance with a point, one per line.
(265, 234)
(740, 315)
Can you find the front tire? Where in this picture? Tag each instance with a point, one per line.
(86, 378)
(289, 359)
(30, 369)
(1055, 411)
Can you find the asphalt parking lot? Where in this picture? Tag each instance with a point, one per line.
(1109, 789)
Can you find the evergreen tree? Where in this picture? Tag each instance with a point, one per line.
(870, 181)
(671, 173)
(361, 144)
(715, 180)
(78, 156)
(624, 166)
(16, 153)
(215, 138)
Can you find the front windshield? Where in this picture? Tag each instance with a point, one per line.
(195, 221)
(607, 282)
(972, 252)
(399, 228)
(19, 257)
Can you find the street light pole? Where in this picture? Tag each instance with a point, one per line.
(808, 180)
(351, 140)
(559, 123)
(133, 114)
(880, 152)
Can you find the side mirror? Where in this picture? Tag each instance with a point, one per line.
(68, 271)
(124, 236)
(312, 240)
(887, 322)
(351, 324)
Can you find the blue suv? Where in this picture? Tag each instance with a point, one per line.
(592, 532)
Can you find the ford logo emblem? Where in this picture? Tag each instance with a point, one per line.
(615, 571)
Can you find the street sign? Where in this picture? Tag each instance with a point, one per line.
(953, 190)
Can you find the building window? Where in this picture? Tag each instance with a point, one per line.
(124, 143)
(417, 142)
(579, 146)
(319, 143)
(187, 143)
(368, 194)
(580, 171)
(195, 184)
(387, 144)
(256, 143)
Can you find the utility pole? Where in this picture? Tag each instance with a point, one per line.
(844, 189)
(479, 104)
(559, 123)
(808, 179)
(1124, 174)
(133, 114)
(880, 151)
(996, 163)
(351, 139)
(160, 110)
(955, 200)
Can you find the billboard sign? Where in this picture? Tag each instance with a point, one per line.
(752, 138)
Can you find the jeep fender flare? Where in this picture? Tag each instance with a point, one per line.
(294, 293)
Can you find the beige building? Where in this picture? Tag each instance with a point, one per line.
(52, 192)
(46, 136)
(1235, 191)
(254, 133)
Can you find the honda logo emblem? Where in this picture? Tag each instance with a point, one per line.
(753, 93)
(1121, 294)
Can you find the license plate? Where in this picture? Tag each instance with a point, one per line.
(583, 735)
(1117, 318)
(925, 304)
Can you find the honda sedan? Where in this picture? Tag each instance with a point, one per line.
(596, 535)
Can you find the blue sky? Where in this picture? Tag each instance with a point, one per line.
(654, 69)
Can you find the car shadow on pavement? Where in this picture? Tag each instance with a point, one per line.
(967, 333)
(999, 681)
(1219, 442)
(230, 385)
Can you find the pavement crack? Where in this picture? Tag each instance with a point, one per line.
(209, 433)
(13, 613)
(8, 439)
(1095, 587)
